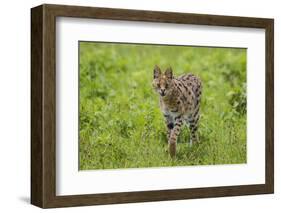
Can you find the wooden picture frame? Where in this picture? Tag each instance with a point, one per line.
(43, 105)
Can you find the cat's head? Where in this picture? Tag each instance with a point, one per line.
(162, 82)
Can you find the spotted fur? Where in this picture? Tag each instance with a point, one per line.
(179, 103)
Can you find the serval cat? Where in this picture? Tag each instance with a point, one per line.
(179, 103)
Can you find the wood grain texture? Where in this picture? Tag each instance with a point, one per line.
(43, 105)
(269, 106)
(36, 106)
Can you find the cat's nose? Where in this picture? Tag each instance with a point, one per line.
(162, 92)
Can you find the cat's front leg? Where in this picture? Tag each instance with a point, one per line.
(174, 136)
(169, 124)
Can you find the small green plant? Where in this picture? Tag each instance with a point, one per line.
(238, 100)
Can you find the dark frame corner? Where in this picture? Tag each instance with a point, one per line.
(43, 102)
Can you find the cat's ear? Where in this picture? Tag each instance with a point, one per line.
(169, 73)
(156, 72)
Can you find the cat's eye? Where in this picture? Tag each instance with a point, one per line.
(158, 85)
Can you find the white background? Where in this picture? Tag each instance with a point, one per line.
(15, 106)
(71, 181)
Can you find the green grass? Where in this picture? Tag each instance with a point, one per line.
(121, 125)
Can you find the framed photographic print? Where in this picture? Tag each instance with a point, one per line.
(136, 106)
